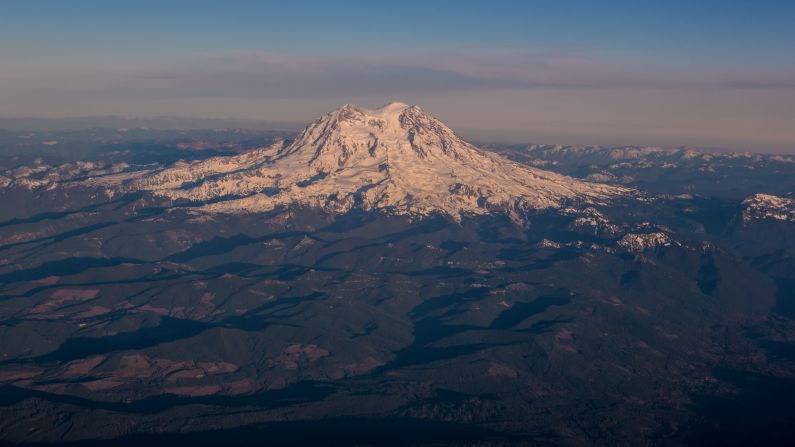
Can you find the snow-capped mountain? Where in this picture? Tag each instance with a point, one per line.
(396, 159)
(767, 206)
(638, 243)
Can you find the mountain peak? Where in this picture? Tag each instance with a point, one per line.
(385, 112)
(352, 135)
(389, 112)
(393, 107)
(395, 159)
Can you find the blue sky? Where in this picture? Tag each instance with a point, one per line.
(716, 73)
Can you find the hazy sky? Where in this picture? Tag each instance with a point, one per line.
(707, 73)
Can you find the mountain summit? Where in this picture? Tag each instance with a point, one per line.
(396, 159)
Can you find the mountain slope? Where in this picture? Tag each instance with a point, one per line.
(396, 159)
(766, 206)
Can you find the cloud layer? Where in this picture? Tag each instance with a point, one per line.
(247, 74)
(579, 95)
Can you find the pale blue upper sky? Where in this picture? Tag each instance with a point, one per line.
(716, 73)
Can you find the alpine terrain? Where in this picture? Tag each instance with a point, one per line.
(375, 279)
